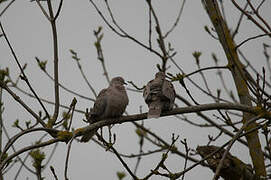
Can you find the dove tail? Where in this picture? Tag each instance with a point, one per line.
(155, 109)
(85, 138)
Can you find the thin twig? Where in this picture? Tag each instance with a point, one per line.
(53, 171)
(214, 152)
(100, 54)
(6, 8)
(73, 107)
(251, 38)
(55, 47)
(47, 143)
(14, 150)
(177, 20)
(67, 159)
(46, 101)
(23, 74)
(43, 10)
(227, 132)
(1, 119)
(249, 17)
(17, 98)
(258, 15)
(260, 5)
(68, 90)
(50, 156)
(216, 176)
(195, 84)
(186, 153)
(211, 139)
(161, 42)
(161, 164)
(150, 28)
(118, 156)
(58, 10)
(141, 143)
(150, 152)
(164, 143)
(204, 80)
(229, 92)
(252, 68)
(22, 165)
(123, 35)
(239, 22)
(204, 69)
(267, 57)
(77, 59)
(27, 131)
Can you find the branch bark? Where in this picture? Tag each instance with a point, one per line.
(183, 110)
(236, 68)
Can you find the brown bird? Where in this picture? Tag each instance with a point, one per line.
(110, 103)
(159, 94)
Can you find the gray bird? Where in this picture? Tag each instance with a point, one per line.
(110, 103)
(159, 94)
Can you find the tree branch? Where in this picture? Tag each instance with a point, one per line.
(183, 110)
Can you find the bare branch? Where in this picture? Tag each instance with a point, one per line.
(47, 143)
(177, 20)
(6, 8)
(24, 77)
(250, 17)
(183, 110)
(17, 98)
(52, 20)
(251, 38)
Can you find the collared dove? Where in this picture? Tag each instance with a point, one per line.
(110, 103)
(159, 94)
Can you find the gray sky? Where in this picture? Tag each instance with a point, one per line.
(30, 35)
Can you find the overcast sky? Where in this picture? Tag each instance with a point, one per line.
(30, 35)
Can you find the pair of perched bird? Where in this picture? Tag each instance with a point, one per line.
(111, 102)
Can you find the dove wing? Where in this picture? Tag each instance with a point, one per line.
(100, 104)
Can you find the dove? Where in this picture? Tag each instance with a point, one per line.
(110, 103)
(159, 94)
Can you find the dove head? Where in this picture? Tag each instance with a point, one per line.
(117, 82)
(161, 75)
